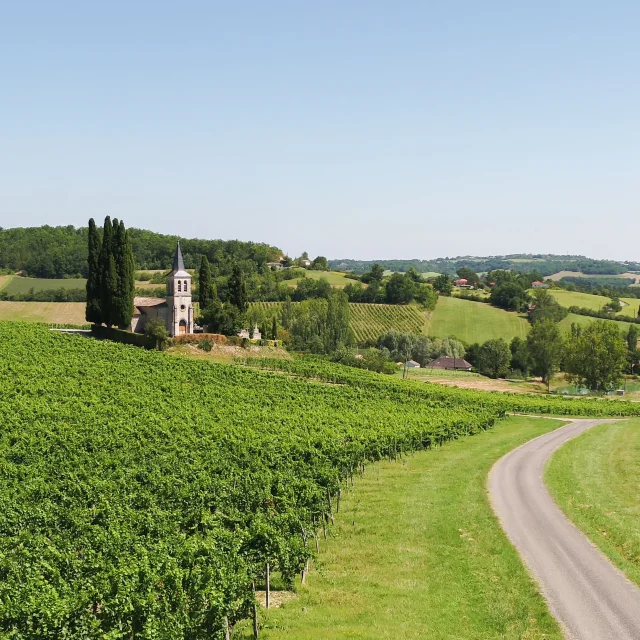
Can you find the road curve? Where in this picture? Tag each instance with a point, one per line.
(590, 598)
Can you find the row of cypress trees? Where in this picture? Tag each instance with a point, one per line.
(111, 280)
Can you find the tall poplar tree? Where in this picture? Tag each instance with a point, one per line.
(205, 284)
(92, 312)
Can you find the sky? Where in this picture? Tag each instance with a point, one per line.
(357, 129)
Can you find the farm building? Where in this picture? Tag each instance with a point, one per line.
(539, 285)
(412, 364)
(176, 310)
(446, 362)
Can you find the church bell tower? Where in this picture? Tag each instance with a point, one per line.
(180, 306)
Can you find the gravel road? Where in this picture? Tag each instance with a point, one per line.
(590, 598)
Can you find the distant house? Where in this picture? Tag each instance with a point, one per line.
(305, 263)
(412, 364)
(461, 282)
(539, 285)
(446, 362)
(275, 265)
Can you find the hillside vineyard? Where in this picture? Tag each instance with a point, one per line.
(142, 494)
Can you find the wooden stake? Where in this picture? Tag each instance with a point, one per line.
(227, 633)
(268, 586)
(338, 501)
(255, 612)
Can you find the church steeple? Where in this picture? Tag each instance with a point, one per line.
(178, 262)
(180, 316)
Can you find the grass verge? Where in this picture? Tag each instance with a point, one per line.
(416, 552)
(595, 479)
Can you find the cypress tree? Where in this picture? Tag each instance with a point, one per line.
(274, 328)
(122, 305)
(205, 286)
(238, 289)
(92, 313)
(105, 279)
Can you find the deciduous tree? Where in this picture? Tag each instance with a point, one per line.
(545, 346)
(596, 356)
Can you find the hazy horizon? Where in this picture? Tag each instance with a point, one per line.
(350, 130)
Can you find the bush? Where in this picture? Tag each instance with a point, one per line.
(156, 333)
(205, 345)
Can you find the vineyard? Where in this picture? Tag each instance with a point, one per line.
(369, 321)
(143, 495)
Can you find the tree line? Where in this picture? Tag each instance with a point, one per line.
(62, 252)
(594, 357)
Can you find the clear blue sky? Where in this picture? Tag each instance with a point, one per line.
(344, 128)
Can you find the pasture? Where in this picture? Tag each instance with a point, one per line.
(594, 480)
(20, 285)
(582, 321)
(47, 312)
(474, 321)
(336, 279)
(576, 299)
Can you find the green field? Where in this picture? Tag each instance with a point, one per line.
(47, 312)
(576, 299)
(596, 481)
(631, 308)
(474, 321)
(582, 321)
(336, 279)
(417, 553)
(19, 285)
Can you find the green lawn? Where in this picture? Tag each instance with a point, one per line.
(335, 278)
(474, 321)
(576, 299)
(417, 553)
(18, 284)
(596, 481)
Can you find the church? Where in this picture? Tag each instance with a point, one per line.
(176, 310)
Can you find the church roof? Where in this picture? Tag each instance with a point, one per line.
(178, 264)
(140, 301)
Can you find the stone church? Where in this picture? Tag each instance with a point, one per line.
(176, 310)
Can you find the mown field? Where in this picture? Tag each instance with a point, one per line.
(336, 279)
(474, 321)
(582, 321)
(596, 481)
(18, 284)
(576, 299)
(47, 312)
(143, 494)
